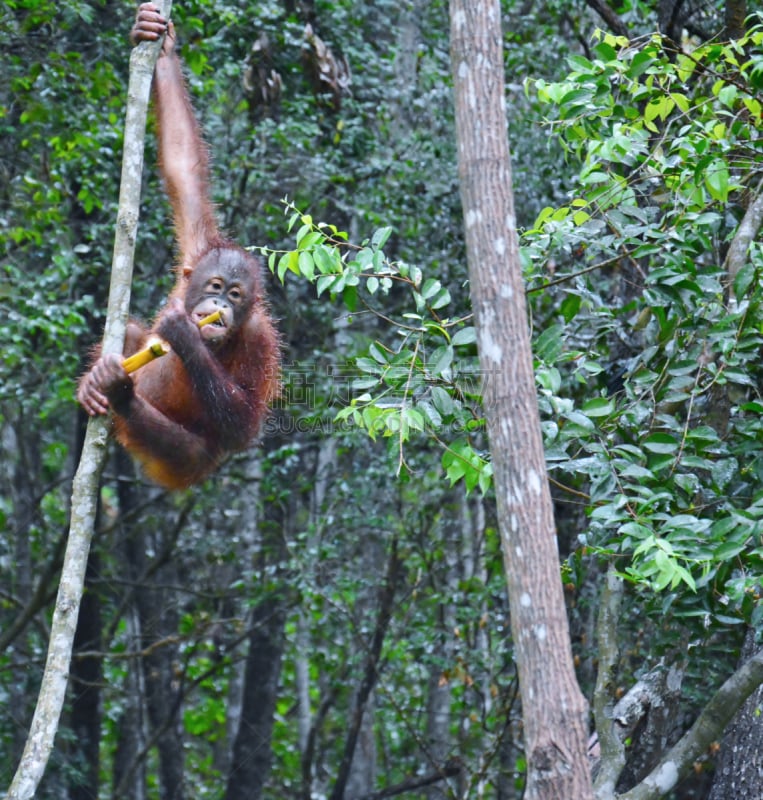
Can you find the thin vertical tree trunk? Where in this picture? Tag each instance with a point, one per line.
(128, 779)
(736, 12)
(156, 622)
(252, 747)
(370, 671)
(86, 679)
(554, 710)
(252, 751)
(439, 730)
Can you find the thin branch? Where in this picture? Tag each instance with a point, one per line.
(612, 749)
(572, 275)
(746, 232)
(614, 23)
(450, 769)
(50, 700)
(42, 594)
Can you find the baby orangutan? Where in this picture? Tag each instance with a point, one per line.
(181, 414)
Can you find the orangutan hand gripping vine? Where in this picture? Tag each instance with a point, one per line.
(183, 413)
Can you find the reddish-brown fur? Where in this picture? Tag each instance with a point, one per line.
(183, 413)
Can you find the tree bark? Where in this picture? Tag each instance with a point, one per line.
(609, 15)
(707, 728)
(555, 711)
(736, 12)
(86, 680)
(370, 671)
(739, 773)
(252, 753)
(748, 229)
(128, 778)
(457, 542)
(158, 621)
(669, 18)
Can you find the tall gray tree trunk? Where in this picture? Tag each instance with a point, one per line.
(554, 710)
(252, 752)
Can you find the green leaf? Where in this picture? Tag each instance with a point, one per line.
(430, 413)
(640, 532)
(681, 574)
(548, 346)
(605, 51)
(743, 280)
(578, 421)
(350, 297)
(461, 461)
(681, 101)
(430, 288)
(580, 217)
(378, 353)
(441, 359)
(310, 239)
(717, 180)
(662, 443)
(641, 61)
(327, 259)
(599, 407)
(728, 550)
(544, 215)
(686, 67)
(324, 282)
(464, 336)
(441, 300)
(728, 95)
(368, 365)
(380, 237)
(283, 266)
(306, 265)
(442, 401)
(411, 418)
(570, 307)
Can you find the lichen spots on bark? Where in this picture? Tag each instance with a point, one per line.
(473, 217)
(533, 482)
(488, 341)
(666, 777)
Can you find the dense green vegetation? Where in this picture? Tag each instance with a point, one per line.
(348, 569)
